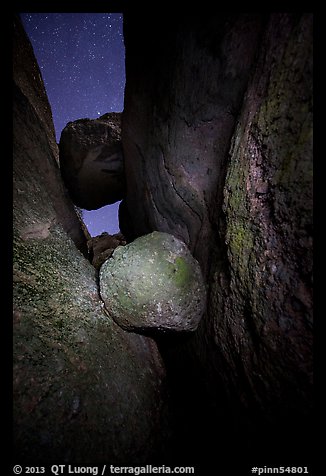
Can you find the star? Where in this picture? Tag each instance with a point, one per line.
(81, 57)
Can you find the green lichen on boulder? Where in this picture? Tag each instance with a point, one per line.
(153, 283)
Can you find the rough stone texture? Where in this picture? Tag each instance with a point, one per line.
(30, 93)
(183, 92)
(264, 300)
(91, 161)
(84, 391)
(236, 186)
(153, 283)
(101, 247)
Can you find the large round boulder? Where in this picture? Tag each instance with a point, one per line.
(153, 283)
(91, 161)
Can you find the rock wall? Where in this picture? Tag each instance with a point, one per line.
(264, 302)
(217, 133)
(185, 87)
(85, 392)
(28, 84)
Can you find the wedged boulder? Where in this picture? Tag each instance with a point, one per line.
(153, 283)
(91, 161)
(102, 246)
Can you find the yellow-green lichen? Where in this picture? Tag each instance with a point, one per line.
(241, 241)
(182, 272)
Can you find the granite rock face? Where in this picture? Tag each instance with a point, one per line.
(217, 132)
(91, 161)
(153, 283)
(183, 91)
(264, 297)
(84, 391)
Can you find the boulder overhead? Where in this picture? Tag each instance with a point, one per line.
(91, 161)
(153, 283)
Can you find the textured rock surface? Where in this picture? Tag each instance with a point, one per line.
(153, 283)
(183, 92)
(91, 161)
(241, 383)
(264, 300)
(236, 186)
(101, 247)
(84, 391)
(30, 93)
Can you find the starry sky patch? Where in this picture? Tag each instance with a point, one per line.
(81, 57)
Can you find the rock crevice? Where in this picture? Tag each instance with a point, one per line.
(217, 162)
(84, 390)
(224, 161)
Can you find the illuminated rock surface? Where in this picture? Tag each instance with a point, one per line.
(153, 283)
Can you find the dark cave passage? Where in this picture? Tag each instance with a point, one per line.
(212, 429)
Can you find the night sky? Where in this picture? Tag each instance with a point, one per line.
(81, 57)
